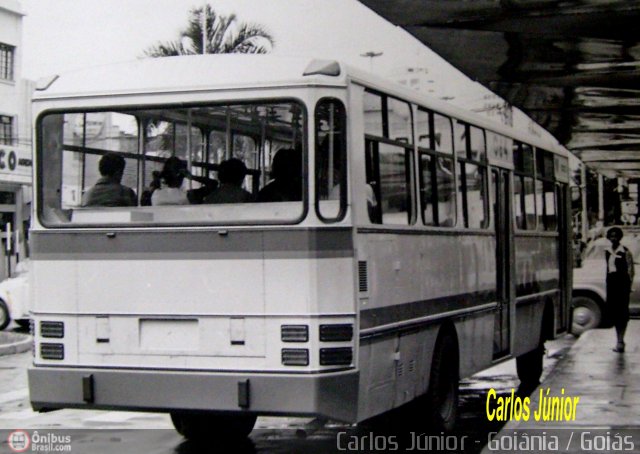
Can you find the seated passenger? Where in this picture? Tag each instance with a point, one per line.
(172, 176)
(372, 203)
(156, 183)
(108, 192)
(231, 175)
(286, 171)
(196, 196)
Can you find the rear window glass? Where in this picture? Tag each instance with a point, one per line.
(207, 164)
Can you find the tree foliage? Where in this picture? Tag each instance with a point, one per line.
(224, 35)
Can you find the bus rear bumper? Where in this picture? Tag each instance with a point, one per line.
(332, 395)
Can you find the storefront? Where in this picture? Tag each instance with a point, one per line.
(15, 142)
(15, 206)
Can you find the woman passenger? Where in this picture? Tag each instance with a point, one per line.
(172, 176)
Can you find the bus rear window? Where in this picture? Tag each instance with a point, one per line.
(218, 164)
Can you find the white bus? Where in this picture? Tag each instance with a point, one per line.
(418, 243)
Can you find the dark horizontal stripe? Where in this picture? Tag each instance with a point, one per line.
(193, 244)
(532, 288)
(534, 234)
(419, 324)
(529, 301)
(419, 230)
(371, 318)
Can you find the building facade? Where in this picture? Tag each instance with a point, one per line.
(15, 142)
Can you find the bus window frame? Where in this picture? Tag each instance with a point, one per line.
(140, 156)
(373, 176)
(522, 172)
(344, 163)
(481, 164)
(546, 177)
(372, 159)
(434, 156)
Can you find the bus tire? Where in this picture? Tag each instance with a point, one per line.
(442, 397)
(5, 318)
(204, 426)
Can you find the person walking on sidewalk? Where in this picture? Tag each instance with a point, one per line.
(620, 274)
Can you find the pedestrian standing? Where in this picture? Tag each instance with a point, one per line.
(620, 274)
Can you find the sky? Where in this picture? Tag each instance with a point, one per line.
(65, 35)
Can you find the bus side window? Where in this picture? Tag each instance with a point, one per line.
(518, 202)
(389, 159)
(372, 203)
(391, 184)
(372, 189)
(428, 202)
(446, 192)
(524, 200)
(331, 159)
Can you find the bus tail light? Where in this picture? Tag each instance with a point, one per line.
(52, 329)
(336, 333)
(342, 356)
(294, 333)
(52, 351)
(295, 357)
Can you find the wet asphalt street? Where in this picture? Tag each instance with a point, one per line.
(128, 432)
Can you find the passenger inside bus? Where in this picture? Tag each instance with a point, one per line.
(156, 183)
(172, 176)
(170, 191)
(196, 196)
(372, 203)
(108, 190)
(286, 172)
(231, 174)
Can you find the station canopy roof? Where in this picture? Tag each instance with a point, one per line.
(572, 66)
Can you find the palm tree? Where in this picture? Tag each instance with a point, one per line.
(224, 35)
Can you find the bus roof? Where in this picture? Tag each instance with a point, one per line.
(187, 73)
(242, 71)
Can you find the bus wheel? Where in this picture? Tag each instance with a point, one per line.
(5, 319)
(529, 368)
(204, 426)
(443, 394)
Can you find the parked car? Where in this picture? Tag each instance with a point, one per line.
(14, 298)
(589, 284)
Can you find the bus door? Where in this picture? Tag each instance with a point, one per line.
(502, 222)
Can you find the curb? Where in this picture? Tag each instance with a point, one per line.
(12, 343)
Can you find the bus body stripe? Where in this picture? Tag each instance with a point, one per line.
(190, 244)
(538, 286)
(379, 316)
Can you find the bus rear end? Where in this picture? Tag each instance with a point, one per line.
(213, 311)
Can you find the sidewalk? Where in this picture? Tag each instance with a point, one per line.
(607, 383)
(11, 343)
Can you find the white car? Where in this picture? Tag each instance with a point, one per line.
(589, 284)
(14, 298)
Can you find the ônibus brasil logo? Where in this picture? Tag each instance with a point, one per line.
(19, 441)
